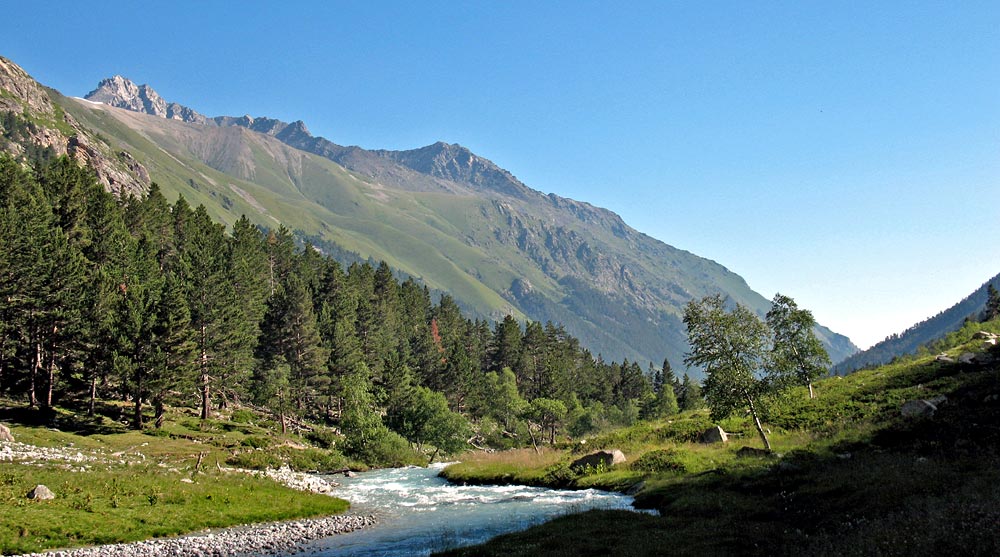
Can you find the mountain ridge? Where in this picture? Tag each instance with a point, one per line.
(440, 213)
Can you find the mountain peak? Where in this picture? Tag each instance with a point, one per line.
(121, 92)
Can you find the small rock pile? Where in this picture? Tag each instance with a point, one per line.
(278, 538)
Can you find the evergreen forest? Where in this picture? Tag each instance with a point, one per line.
(147, 305)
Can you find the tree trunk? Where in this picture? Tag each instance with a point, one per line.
(137, 410)
(205, 399)
(756, 421)
(137, 413)
(158, 407)
(52, 376)
(811, 393)
(93, 396)
(534, 445)
(35, 365)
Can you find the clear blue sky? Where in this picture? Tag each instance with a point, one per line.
(844, 154)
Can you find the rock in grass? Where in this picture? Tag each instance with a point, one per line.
(714, 434)
(753, 452)
(41, 493)
(918, 408)
(595, 460)
(5, 434)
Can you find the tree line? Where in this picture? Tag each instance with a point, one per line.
(151, 303)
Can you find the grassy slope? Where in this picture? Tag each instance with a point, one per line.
(135, 491)
(854, 478)
(451, 241)
(304, 192)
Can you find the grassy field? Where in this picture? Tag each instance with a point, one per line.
(850, 475)
(133, 485)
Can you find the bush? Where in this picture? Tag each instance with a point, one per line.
(255, 460)
(323, 438)
(243, 416)
(392, 450)
(256, 442)
(689, 430)
(663, 460)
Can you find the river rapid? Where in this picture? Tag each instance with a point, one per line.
(419, 513)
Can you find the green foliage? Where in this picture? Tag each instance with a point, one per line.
(660, 460)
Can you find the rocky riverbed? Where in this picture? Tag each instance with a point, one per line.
(278, 538)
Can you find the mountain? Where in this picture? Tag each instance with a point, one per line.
(34, 126)
(920, 334)
(440, 213)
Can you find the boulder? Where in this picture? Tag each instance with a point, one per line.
(985, 335)
(918, 408)
(967, 358)
(944, 358)
(5, 434)
(746, 452)
(41, 493)
(714, 434)
(598, 459)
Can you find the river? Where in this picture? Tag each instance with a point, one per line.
(419, 512)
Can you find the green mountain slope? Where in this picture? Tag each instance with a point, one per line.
(455, 220)
(920, 334)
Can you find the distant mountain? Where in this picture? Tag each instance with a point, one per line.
(441, 213)
(922, 333)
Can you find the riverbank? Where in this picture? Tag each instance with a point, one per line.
(274, 539)
(851, 474)
(115, 486)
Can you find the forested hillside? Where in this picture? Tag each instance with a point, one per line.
(910, 340)
(153, 303)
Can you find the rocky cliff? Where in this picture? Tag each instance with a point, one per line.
(32, 126)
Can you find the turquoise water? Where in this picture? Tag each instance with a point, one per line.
(419, 513)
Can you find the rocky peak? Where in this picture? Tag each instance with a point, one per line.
(121, 92)
(458, 164)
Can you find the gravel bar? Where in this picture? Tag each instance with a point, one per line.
(271, 539)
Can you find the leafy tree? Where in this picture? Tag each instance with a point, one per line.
(426, 419)
(550, 415)
(731, 347)
(360, 421)
(796, 353)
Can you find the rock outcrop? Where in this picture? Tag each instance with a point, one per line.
(33, 124)
(5, 434)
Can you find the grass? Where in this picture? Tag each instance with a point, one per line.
(146, 484)
(130, 503)
(849, 475)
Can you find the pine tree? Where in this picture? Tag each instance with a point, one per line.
(247, 272)
(992, 310)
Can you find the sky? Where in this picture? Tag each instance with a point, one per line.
(846, 154)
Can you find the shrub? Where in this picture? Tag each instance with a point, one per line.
(256, 442)
(254, 460)
(663, 460)
(689, 430)
(323, 438)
